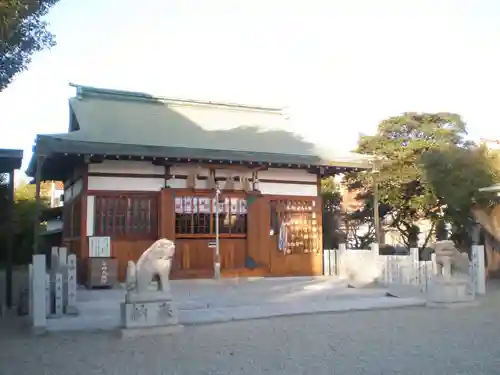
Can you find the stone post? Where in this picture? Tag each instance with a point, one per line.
(71, 285)
(58, 294)
(48, 295)
(434, 264)
(480, 269)
(340, 255)
(30, 292)
(63, 256)
(415, 266)
(38, 293)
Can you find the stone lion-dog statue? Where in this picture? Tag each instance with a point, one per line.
(449, 260)
(154, 264)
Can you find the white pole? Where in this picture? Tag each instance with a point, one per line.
(217, 248)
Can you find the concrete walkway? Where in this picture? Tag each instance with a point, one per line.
(209, 301)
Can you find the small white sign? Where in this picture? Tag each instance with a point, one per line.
(99, 247)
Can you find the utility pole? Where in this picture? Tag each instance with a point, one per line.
(217, 241)
(376, 216)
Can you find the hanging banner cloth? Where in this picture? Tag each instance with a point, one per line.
(283, 236)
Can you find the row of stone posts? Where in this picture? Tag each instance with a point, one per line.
(52, 292)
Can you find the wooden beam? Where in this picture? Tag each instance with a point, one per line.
(36, 225)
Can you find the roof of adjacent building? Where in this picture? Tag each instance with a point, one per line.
(113, 122)
(10, 160)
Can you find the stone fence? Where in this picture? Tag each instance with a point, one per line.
(368, 266)
(52, 292)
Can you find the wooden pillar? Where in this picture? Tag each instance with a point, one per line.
(258, 238)
(10, 240)
(166, 227)
(38, 207)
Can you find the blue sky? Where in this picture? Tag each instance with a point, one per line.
(341, 66)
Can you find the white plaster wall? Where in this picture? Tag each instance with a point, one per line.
(185, 170)
(287, 189)
(155, 184)
(287, 175)
(125, 183)
(126, 166)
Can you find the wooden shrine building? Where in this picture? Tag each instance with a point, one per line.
(137, 168)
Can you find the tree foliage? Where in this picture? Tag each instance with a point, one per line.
(22, 33)
(456, 175)
(404, 189)
(345, 219)
(23, 217)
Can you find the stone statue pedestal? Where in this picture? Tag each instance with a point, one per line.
(451, 287)
(149, 311)
(449, 292)
(149, 317)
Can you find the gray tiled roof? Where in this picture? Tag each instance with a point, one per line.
(125, 123)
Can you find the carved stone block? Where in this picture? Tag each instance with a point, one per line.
(149, 314)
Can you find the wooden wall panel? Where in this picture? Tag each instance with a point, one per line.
(125, 250)
(309, 264)
(232, 254)
(193, 257)
(258, 230)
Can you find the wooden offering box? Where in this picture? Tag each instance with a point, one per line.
(102, 272)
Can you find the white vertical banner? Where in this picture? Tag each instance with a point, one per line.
(179, 207)
(90, 215)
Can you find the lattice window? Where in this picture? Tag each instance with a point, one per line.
(134, 216)
(196, 215)
(233, 216)
(301, 220)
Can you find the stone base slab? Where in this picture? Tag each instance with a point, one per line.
(130, 333)
(454, 290)
(455, 305)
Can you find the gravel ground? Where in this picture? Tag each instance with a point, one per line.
(405, 341)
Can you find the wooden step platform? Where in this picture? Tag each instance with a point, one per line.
(225, 273)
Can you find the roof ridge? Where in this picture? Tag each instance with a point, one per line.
(82, 90)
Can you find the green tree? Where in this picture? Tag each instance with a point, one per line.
(22, 33)
(24, 210)
(346, 219)
(456, 174)
(332, 199)
(404, 191)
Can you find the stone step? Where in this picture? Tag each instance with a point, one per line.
(110, 319)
